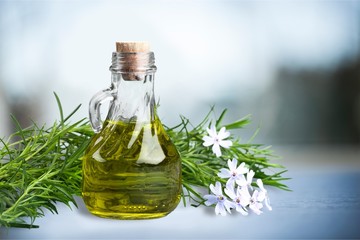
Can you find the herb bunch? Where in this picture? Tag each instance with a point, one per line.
(40, 167)
(200, 166)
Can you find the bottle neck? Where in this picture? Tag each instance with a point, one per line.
(133, 66)
(133, 101)
(131, 93)
(132, 84)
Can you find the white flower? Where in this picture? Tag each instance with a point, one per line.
(252, 201)
(263, 194)
(222, 204)
(236, 197)
(234, 173)
(217, 139)
(246, 182)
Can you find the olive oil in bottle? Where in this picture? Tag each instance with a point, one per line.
(131, 169)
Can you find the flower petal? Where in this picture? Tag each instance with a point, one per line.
(225, 143)
(216, 149)
(256, 195)
(218, 189)
(244, 201)
(230, 183)
(209, 131)
(241, 181)
(242, 169)
(256, 208)
(239, 192)
(261, 185)
(228, 205)
(224, 173)
(267, 204)
(211, 199)
(213, 133)
(229, 190)
(232, 164)
(244, 197)
(208, 141)
(241, 210)
(223, 133)
(261, 196)
(220, 209)
(212, 188)
(249, 176)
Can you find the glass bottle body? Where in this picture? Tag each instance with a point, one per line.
(131, 169)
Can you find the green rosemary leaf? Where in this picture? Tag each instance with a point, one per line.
(40, 167)
(21, 225)
(20, 131)
(60, 108)
(219, 120)
(239, 123)
(72, 113)
(205, 120)
(254, 135)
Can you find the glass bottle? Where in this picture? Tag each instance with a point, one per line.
(131, 169)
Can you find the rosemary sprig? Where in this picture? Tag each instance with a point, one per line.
(43, 166)
(200, 165)
(40, 169)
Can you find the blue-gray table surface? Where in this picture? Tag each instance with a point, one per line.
(324, 203)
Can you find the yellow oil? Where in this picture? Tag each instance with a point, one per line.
(131, 171)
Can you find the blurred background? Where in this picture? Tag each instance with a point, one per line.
(294, 66)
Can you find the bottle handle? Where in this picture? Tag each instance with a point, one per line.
(94, 108)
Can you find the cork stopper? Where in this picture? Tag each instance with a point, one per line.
(132, 47)
(134, 58)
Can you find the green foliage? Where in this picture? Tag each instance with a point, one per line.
(200, 166)
(40, 167)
